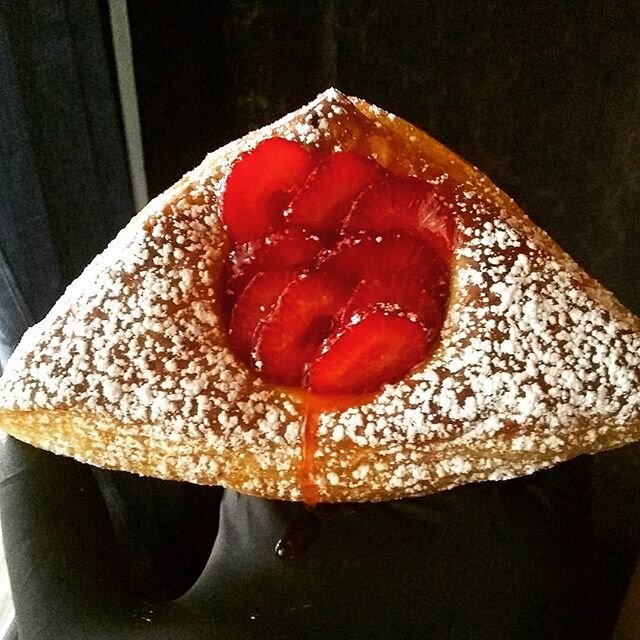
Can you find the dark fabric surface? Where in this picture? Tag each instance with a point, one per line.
(544, 98)
(63, 175)
(63, 170)
(500, 561)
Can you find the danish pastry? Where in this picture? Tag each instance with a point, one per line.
(333, 308)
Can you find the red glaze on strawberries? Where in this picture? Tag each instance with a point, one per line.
(328, 193)
(286, 249)
(409, 294)
(380, 345)
(405, 204)
(368, 255)
(339, 280)
(260, 187)
(253, 305)
(302, 318)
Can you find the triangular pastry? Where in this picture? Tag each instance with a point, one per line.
(534, 362)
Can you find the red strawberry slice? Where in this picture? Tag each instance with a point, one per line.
(301, 319)
(375, 348)
(405, 204)
(261, 185)
(375, 256)
(286, 249)
(328, 192)
(345, 319)
(254, 305)
(412, 296)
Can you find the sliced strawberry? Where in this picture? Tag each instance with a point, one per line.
(261, 185)
(368, 256)
(329, 190)
(346, 319)
(287, 249)
(405, 204)
(301, 319)
(254, 305)
(412, 296)
(375, 348)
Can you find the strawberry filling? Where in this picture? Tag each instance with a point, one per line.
(366, 256)
(338, 280)
(260, 186)
(294, 331)
(415, 296)
(405, 204)
(286, 249)
(329, 191)
(380, 344)
(253, 305)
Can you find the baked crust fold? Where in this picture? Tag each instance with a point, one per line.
(537, 363)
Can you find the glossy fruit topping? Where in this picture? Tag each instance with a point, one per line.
(405, 204)
(373, 348)
(338, 280)
(253, 305)
(286, 249)
(372, 256)
(411, 295)
(329, 191)
(260, 187)
(302, 318)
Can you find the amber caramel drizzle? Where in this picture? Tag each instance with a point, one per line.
(312, 406)
(306, 480)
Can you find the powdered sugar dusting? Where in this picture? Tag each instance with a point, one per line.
(536, 362)
(138, 338)
(527, 348)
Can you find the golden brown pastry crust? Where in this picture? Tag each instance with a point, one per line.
(130, 370)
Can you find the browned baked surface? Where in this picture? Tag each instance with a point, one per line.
(130, 370)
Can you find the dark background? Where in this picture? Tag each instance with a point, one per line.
(542, 96)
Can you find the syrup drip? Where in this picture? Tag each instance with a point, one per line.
(305, 529)
(312, 407)
(302, 532)
(308, 486)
